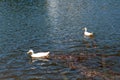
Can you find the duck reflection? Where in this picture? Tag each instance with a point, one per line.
(32, 60)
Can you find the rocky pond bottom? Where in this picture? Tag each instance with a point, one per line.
(92, 66)
(65, 67)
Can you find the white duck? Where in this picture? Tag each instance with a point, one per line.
(86, 33)
(39, 54)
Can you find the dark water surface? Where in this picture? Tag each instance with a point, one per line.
(56, 25)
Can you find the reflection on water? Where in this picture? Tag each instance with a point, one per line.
(38, 59)
(56, 25)
(53, 12)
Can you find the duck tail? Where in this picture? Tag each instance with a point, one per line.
(48, 52)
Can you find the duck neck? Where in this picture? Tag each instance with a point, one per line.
(85, 29)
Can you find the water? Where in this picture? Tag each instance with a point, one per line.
(56, 25)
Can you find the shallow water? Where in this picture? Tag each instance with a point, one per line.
(56, 25)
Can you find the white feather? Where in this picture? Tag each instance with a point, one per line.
(39, 54)
(86, 33)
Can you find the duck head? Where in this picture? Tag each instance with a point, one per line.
(84, 29)
(30, 52)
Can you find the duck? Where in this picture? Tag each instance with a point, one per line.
(39, 54)
(86, 33)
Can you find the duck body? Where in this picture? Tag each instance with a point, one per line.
(39, 54)
(86, 33)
